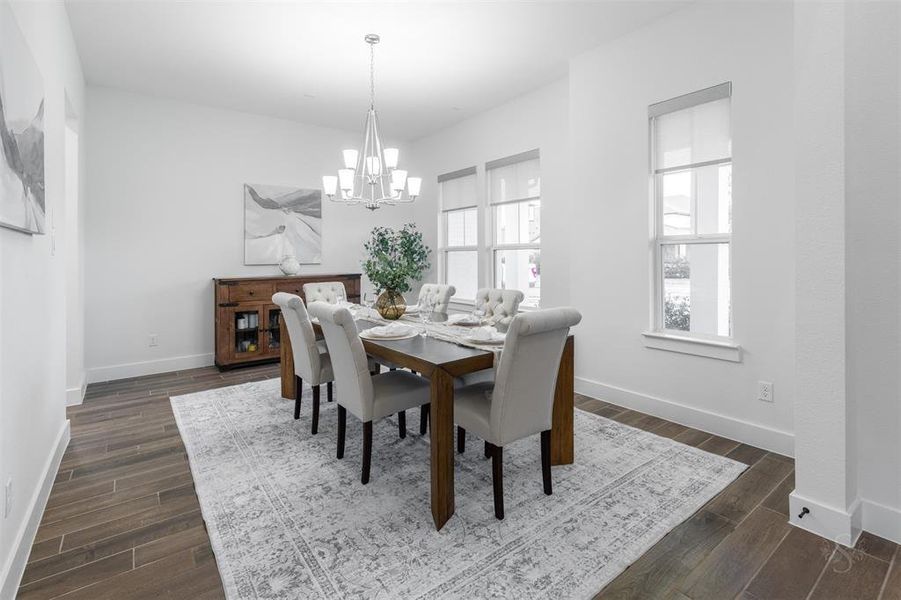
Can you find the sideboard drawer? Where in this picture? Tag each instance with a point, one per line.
(291, 287)
(251, 292)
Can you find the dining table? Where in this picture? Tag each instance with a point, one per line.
(441, 357)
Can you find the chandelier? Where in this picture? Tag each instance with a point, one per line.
(370, 176)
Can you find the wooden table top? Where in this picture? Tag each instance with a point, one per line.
(424, 354)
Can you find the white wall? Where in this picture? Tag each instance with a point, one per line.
(749, 44)
(535, 120)
(165, 214)
(33, 425)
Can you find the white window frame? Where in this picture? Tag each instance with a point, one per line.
(710, 345)
(496, 247)
(443, 248)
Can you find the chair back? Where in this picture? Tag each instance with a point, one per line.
(307, 363)
(349, 363)
(439, 294)
(498, 303)
(523, 399)
(324, 291)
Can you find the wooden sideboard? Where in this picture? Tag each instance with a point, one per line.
(247, 322)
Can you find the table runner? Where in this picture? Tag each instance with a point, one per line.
(455, 334)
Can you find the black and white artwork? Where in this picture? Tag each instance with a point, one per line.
(21, 130)
(282, 221)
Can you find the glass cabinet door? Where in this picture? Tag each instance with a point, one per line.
(247, 339)
(273, 332)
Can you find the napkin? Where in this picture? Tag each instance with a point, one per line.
(392, 330)
(459, 318)
(486, 334)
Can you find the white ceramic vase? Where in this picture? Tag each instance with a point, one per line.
(289, 265)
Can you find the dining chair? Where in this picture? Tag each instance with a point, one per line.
(325, 291)
(440, 296)
(368, 397)
(500, 306)
(439, 293)
(519, 403)
(311, 358)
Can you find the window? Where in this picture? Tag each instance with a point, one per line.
(459, 247)
(691, 168)
(514, 196)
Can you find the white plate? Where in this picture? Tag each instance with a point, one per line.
(492, 342)
(382, 338)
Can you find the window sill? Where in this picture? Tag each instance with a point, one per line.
(720, 350)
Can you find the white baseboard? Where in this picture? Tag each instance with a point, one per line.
(836, 524)
(15, 567)
(882, 520)
(75, 395)
(774, 440)
(149, 367)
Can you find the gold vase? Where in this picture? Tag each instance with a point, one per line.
(391, 305)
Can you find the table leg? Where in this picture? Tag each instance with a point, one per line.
(441, 415)
(287, 360)
(562, 420)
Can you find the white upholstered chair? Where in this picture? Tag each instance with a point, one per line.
(324, 291)
(368, 397)
(520, 401)
(500, 306)
(311, 359)
(439, 294)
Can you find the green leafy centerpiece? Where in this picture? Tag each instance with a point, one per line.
(396, 257)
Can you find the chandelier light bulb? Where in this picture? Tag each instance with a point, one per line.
(398, 180)
(413, 186)
(329, 185)
(346, 179)
(350, 159)
(373, 165)
(391, 155)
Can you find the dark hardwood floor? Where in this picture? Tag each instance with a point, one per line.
(123, 522)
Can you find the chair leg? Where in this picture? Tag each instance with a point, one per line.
(393, 369)
(546, 461)
(367, 451)
(342, 429)
(487, 450)
(497, 479)
(424, 418)
(378, 368)
(298, 391)
(461, 440)
(315, 426)
(402, 424)
(329, 390)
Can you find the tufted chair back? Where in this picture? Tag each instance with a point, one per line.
(499, 305)
(324, 291)
(523, 396)
(349, 362)
(307, 362)
(439, 294)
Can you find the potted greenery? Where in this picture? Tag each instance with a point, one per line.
(395, 259)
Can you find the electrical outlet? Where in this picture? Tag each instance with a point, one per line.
(765, 391)
(8, 498)
(154, 339)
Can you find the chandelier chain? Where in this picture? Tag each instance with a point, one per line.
(371, 76)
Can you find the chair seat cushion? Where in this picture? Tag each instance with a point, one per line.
(472, 409)
(483, 376)
(398, 390)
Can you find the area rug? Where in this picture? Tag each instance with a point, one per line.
(288, 520)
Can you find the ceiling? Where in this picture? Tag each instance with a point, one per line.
(438, 62)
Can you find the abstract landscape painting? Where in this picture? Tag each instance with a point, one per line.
(281, 221)
(21, 131)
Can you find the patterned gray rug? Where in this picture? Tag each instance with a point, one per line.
(288, 520)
